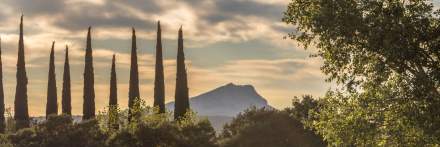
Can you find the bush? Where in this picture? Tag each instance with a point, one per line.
(158, 130)
(60, 131)
(267, 128)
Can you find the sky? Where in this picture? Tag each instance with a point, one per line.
(226, 41)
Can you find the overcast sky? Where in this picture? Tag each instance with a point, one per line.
(238, 41)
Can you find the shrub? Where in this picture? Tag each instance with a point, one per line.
(60, 131)
(267, 128)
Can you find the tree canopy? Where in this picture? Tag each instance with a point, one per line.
(385, 55)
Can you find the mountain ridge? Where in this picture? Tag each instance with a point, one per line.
(227, 100)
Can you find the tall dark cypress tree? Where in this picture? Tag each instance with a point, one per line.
(89, 81)
(133, 93)
(181, 105)
(66, 94)
(51, 105)
(2, 96)
(113, 99)
(21, 100)
(159, 84)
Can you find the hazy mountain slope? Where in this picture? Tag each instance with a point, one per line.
(227, 100)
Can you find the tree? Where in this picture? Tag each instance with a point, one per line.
(89, 80)
(302, 108)
(60, 131)
(385, 55)
(181, 94)
(159, 84)
(133, 90)
(113, 100)
(66, 96)
(267, 127)
(21, 103)
(51, 105)
(2, 95)
(158, 130)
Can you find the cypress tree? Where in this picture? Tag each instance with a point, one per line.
(21, 103)
(113, 100)
(2, 96)
(133, 94)
(89, 81)
(159, 85)
(66, 94)
(181, 105)
(51, 105)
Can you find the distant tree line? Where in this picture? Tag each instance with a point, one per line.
(21, 114)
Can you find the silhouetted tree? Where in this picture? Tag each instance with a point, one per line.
(263, 127)
(66, 96)
(113, 100)
(133, 92)
(181, 94)
(21, 103)
(89, 81)
(159, 86)
(2, 96)
(51, 105)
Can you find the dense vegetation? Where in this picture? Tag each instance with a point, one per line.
(385, 56)
(254, 127)
(268, 128)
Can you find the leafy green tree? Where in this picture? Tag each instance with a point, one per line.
(66, 93)
(267, 128)
(181, 105)
(385, 56)
(52, 105)
(21, 114)
(303, 108)
(89, 81)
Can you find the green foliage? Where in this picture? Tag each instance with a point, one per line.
(10, 122)
(151, 128)
(385, 56)
(301, 108)
(4, 141)
(60, 131)
(267, 128)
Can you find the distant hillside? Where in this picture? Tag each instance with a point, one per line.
(223, 103)
(227, 100)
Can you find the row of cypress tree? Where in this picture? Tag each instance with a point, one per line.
(21, 115)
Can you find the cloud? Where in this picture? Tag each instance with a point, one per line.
(108, 15)
(37, 7)
(226, 41)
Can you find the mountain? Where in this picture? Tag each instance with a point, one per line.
(223, 103)
(227, 100)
